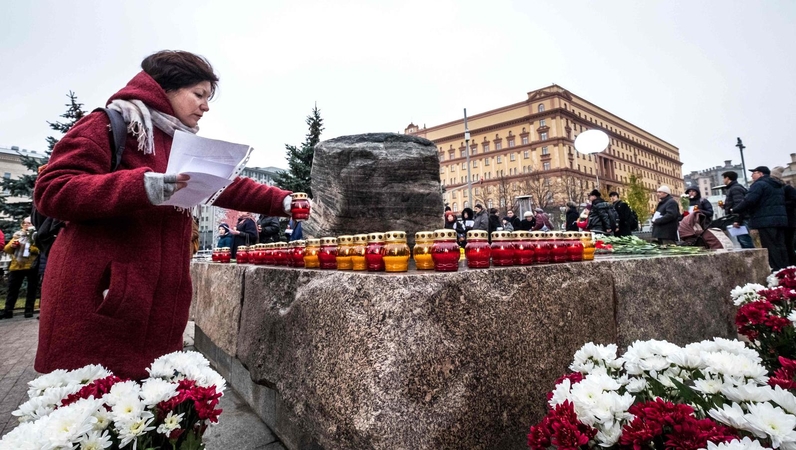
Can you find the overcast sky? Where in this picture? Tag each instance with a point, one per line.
(697, 74)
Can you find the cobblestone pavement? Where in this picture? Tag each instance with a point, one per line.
(238, 428)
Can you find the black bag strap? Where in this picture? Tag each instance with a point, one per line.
(118, 133)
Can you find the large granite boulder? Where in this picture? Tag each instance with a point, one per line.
(375, 182)
(426, 360)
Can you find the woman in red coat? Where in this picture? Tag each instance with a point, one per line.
(118, 286)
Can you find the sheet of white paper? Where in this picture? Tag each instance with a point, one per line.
(737, 231)
(656, 216)
(690, 209)
(199, 188)
(210, 163)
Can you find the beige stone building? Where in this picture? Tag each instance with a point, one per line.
(11, 166)
(522, 154)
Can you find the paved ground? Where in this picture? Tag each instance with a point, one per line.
(239, 427)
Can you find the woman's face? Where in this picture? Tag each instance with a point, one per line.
(190, 103)
(222, 231)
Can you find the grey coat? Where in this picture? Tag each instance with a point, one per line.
(665, 227)
(481, 221)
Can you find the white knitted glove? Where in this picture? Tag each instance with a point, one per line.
(159, 186)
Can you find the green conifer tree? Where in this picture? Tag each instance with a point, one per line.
(299, 159)
(15, 210)
(638, 198)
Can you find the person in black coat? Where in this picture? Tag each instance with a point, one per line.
(695, 200)
(512, 219)
(664, 223)
(494, 221)
(624, 213)
(733, 197)
(572, 217)
(245, 232)
(601, 219)
(269, 229)
(765, 204)
(527, 223)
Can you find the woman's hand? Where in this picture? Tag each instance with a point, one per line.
(181, 181)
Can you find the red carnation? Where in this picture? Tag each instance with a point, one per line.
(96, 389)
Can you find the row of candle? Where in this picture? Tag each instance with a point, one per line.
(434, 250)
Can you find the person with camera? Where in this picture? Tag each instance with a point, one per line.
(23, 267)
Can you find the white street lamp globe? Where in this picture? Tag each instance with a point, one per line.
(591, 141)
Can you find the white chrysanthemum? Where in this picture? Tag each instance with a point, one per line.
(56, 378)
(609, 436)
(746, 294)
(792, 318)
(735, 444)
(729, 364)
(170, 423)
(127, 408)
(561, 393)
(750, 392)
(87, 374)
(772, 281)
(156, 390)
(767, 420)
(784, 398)
(66, 424)
(648, 356)
(597, 403)
(123, 391)
(709, 385)
(730, 415)
(43, 404)
(593, 355)
(26, 436)
(130, 429)
(636, 384)
(95, 440)
(104, 419)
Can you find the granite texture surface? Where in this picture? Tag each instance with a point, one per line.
(216, 305)
(375, 182)
(458, 360)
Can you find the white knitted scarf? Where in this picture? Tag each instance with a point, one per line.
(140, 118)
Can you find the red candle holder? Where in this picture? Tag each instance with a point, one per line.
(328, 253)
(502, 248)
(477, 251)
(225, 255)
(374, 252)
(281, 254)
(575, 245)
(523, 248)
(258, 257)
(242, 255)
(560, 248)
(445, 251)
(268, 255)
(300, 207)
(215, 255)
(298, 253)
(541, 247)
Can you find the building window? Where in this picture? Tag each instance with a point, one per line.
(511, 143)
(474, 150)
(498, 145)
(486, 161)
(543, 136)
(542, 123)
(546, 166)
(526, 154)
(485, 147)
(475, 164)
(540, 108)
(489, 203)
(464, 165)
(545, 151)
(462, 154)
(525, 140)
(455, 207)
(499, 159)
(512, 157)
(451, 155)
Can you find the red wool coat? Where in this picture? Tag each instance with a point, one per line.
(116, 240)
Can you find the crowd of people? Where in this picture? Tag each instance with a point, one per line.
(248, 231)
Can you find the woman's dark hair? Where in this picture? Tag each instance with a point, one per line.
(176, 69)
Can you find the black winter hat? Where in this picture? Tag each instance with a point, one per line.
(595, 193)
(762, 169)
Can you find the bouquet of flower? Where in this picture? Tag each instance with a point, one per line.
(767, 316)
(707, 395)
(90, 408)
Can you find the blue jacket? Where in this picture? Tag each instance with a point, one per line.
(764, 204)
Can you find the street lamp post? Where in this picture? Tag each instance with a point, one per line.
(593, 142)
(743, 164)
(467, 152)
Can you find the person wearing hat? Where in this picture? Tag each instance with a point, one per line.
(735, 194)
(765, 205)
(572, 216)
(225, 238)
(527, 222)
(542, 221)
(664, 221)
(602, 218)
(695, 200)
